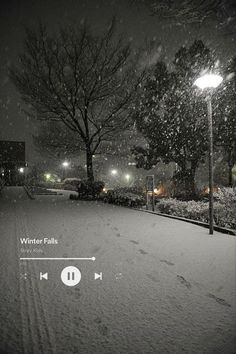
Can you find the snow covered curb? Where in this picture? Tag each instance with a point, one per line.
(191, 221)
(1, 185)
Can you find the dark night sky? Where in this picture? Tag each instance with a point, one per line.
(134, 21)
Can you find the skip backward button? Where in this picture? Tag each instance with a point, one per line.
(43, 276)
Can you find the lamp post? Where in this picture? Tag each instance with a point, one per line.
(115, 177)
(128, 179)
(210, 81)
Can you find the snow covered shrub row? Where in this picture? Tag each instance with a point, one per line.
(226, 214)
(191, 209)
(123, 196)
(224, 209)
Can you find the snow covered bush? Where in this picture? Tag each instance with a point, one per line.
(125, 197)
(90, 190)
(225, 214)
(224, 209)
(71, 184)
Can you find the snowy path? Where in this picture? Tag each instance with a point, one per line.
(168, 287)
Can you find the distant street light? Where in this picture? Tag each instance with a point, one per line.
(210, 81)
(114, 172)
(47, 176)
(65, 164)
(21, 169)
(127, 177)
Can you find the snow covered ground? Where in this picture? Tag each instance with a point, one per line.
(168, 287)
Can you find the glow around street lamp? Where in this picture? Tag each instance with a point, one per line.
(208, 81)
(127, 177)
(21, 170)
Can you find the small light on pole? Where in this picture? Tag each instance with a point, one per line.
(210, 81)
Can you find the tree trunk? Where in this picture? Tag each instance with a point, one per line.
(185, 182)
(230, 181)
(89, 162)
(190, 183)
(230, 167)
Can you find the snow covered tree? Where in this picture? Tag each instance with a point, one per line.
(83, 80)
(226, 132)
(172, 116)
(191, 11)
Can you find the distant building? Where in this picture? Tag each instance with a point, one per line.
(12, 162)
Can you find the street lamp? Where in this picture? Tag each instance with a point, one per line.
(65, 165)
(209, 81)
(127, 177)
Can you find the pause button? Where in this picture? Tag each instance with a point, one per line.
(70, 276)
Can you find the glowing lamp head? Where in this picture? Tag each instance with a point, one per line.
(208, 81)
(127, 177)
(21, 170)
(47, 176)
(65, 164)
(114, 172)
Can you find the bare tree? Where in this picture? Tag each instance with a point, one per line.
(83, 80)
(54, 139)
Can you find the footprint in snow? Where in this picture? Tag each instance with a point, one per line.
(74, 293)
(220, 288)
(142, 251)
(219, 300)
(152, 277)
(167, 262)
(96, 249)
(184, 281)
(135, 242)
(103, 329)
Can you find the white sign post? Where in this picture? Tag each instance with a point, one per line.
(150, 192)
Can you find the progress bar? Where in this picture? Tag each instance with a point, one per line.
(58, 259)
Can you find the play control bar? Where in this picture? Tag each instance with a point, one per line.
(58, 259)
